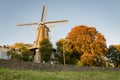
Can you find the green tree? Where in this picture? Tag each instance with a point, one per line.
(59, 45)
(21, 52)
(62, 46)
(27, 55)
(88, 43)
(114, 54)
(45, 49)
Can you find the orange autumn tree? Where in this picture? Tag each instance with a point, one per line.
(88, 43)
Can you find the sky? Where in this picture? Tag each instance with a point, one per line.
(104, 15)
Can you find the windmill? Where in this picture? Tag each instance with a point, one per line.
(42, 30)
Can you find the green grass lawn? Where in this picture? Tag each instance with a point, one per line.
(10, 74)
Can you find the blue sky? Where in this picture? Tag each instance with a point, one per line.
(104, 15)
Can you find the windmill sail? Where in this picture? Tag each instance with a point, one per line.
(43, 14)
(49, 22)
(29, 24)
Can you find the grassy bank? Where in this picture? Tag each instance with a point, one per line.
(9, 74)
